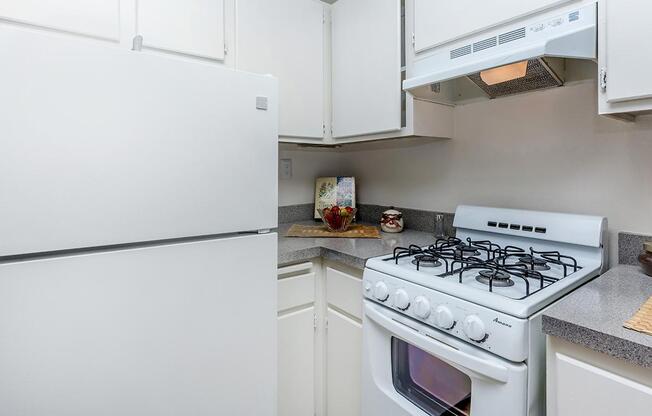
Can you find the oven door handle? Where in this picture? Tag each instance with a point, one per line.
(439, 349)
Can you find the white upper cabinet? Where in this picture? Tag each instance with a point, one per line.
(285, 38)
(96, 18)
(624, 56)
(366, 65)
(440, 21)
(190, 27)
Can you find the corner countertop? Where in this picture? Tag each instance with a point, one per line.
(351, 251)
(593, 315)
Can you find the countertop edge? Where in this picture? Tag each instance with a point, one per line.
(598, 341)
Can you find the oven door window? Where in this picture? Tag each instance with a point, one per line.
(433, 385)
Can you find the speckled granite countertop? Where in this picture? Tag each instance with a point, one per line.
(593, 315)
(351, 251)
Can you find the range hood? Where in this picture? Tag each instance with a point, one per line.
(521, 56)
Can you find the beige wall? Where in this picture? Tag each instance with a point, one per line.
(547, 150)
(307, 164)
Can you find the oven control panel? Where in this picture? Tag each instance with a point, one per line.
(499, 333)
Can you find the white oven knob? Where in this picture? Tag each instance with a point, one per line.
(444, 317)
(367, 287)
(474, 328)
(421, 307)
(381, 292)
(401, 299)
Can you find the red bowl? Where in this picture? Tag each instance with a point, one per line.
(338, 219)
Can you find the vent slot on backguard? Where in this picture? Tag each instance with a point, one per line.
(511, 36)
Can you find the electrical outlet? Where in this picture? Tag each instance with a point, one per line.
(285, 169)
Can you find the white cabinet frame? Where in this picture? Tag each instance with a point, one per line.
(325, 289)
(624, 58)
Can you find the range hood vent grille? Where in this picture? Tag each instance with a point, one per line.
(459, 52)
(488, 43)
(511, 36)
(484, 44)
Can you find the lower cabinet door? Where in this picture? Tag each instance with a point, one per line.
(583, 389)
(296, 363)
(344, 350)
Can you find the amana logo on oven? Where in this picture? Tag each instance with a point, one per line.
(502, 323)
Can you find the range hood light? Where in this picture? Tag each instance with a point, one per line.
(504, 73)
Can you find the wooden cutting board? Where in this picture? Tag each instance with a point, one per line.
(642, 320)
(354, 231)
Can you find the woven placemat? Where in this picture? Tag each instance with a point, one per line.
(642, 320)
(354, 231)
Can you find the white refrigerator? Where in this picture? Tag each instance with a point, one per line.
(137, 270)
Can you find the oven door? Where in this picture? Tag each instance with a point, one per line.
(412, 369)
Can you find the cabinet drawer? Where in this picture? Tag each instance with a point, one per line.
(296, 291)
(344, 292)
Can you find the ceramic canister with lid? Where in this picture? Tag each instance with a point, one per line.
(392, 221)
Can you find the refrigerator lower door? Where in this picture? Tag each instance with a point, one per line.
(101, 145)
(185, 329)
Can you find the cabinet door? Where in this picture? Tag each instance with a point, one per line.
(343, 365)
(285, 38)
(366, 55)
(97, 18)
(626, 55)
(296, 363)
(583, 389)
(440, 21)
(191, 27)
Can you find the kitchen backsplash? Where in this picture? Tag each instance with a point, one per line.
(630, 245)
(294, 213)
(415, 219)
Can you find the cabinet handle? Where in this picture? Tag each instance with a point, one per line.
(603, 79)
(137, 44)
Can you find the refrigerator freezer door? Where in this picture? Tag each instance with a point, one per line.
(102, 145)
(187, 329)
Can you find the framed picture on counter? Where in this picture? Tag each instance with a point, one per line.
(334, 190)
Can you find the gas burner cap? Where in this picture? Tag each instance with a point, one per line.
(498, 278)
(538, 263)
(467, 250)
(424, 260)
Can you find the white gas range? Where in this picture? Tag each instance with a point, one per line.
(456, 325)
